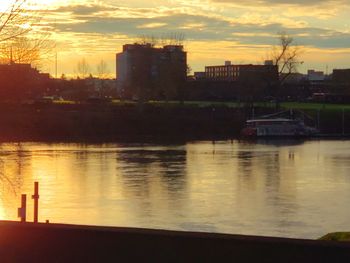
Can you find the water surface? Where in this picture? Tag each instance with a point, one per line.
(290, 189)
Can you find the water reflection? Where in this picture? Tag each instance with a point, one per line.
(256, 188)
(279, 142)
(154, 177)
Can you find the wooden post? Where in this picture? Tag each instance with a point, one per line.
(22, 211)
(343, 122)
(36, 201)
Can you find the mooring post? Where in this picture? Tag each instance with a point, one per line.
(22, 211)
(343, 122)
(36, 201)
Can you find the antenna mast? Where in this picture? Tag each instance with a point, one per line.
(56, 62)
(56, 65)
(11, 56)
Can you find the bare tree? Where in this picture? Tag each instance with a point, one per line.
(83, 69)
(16, 20)
(286, 55)
(173, 38)
(102, 70)
(102, 74)
(26, 50)
(147, 39)
(19, 41)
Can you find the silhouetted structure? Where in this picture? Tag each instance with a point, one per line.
(146, 72)
(83, 89)
(229, 72)
(313, 75)
(341, 76)
(230, 82)
(21, 81)
(340, 86)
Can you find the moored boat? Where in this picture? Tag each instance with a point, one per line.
(277, 127)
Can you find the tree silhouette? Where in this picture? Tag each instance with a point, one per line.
(19, 43)
(16, 20)
(26, 50)
(83, 69)
(286, 55)
(102, 70)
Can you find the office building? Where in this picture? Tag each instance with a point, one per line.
(230, 72)
(146, 72)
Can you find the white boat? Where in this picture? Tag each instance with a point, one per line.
(277, 127)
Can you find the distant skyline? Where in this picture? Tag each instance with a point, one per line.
(215, 30)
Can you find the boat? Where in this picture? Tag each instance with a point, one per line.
(273, 126)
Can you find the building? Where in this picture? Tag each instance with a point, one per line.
(230, 72)
(234, 82)
(199, 75)
(22, 81)
(146, 72)
(341, 76)
(313, 75)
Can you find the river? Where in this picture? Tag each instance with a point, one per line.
(274, 188)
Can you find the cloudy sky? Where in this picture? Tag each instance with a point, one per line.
(215, 30)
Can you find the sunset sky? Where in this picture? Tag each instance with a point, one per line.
(215, 30)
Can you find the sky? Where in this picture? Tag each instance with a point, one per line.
(242, 31)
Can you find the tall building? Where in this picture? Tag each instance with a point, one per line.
(145, 72)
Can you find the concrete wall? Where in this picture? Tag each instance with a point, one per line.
(66, 243)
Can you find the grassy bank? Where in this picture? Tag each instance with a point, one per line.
(117, 122)
(235, 104)
(337, 236)
(154, 120)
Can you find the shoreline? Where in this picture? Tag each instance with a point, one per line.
(29, 242)
(83, 122)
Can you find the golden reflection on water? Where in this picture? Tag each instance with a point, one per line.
(267, 188)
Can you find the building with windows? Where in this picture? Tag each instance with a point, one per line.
(234, 82)
(146, 72)
(229, 72)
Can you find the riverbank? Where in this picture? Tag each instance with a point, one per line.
(28, 242)
(149, 122)
(89, 122)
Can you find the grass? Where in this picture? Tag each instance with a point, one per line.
(64, 102)
(305, 106)
(337, 236)
(315, 106)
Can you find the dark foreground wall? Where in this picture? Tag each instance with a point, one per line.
(66, 243)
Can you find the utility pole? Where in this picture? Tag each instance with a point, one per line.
(56, 65)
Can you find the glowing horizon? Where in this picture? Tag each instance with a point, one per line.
(215, 30)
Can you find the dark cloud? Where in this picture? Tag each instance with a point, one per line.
(89, 20)
(211, 29)
(283, 2)
(88, 9)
